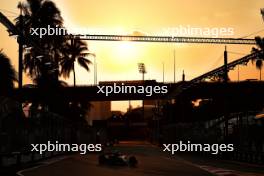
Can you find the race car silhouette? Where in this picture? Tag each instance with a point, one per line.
(117, 159)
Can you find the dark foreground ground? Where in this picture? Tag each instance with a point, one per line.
(152, 162)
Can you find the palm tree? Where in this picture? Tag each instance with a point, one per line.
(259, 60)
(41, 62)
(7, 74)
(75, 50)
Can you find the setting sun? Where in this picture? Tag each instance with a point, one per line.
(125, 52)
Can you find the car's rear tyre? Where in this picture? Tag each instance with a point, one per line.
(132, 161)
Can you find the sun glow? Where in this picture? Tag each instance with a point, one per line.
(125, 52)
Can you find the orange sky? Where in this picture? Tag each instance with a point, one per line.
(118, 60)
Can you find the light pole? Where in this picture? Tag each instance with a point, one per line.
(225, 97)
(238, 76)
(163, 72)
(174, 65)
(142, 69)
(20, 52)
(95, 71)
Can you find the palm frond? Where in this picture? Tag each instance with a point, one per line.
(67, 66)
(84, 63)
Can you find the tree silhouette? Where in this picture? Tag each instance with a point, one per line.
(50, 56)
(259, 60)
(75, 50)
(11, 113)
(7, 74)
(41, 64)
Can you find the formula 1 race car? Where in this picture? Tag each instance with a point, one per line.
(117, 159)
